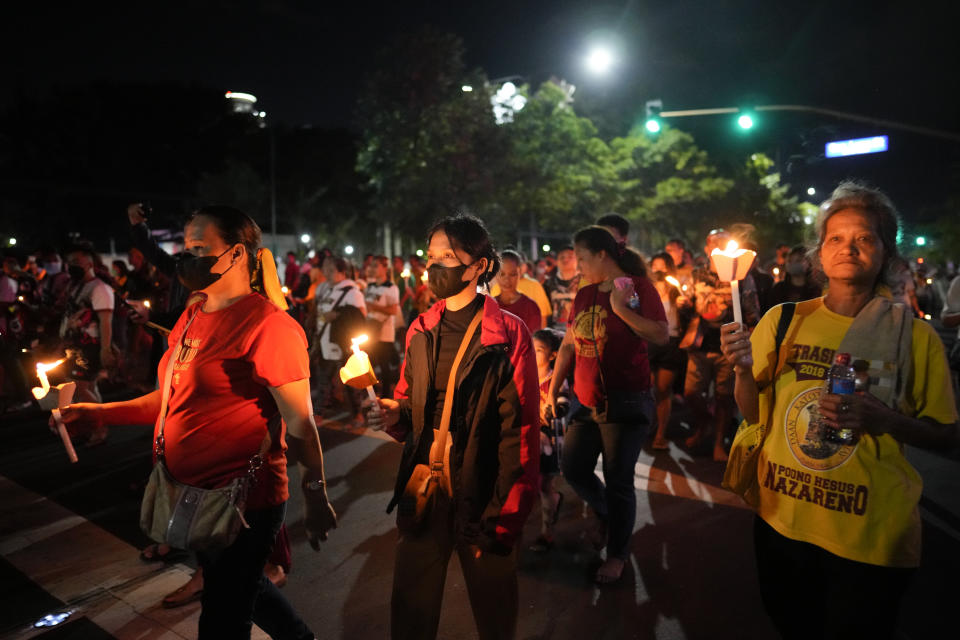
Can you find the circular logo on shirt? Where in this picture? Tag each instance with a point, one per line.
(805, 437)
(590, 332)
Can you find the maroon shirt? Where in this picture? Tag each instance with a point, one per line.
(525, 309)
(603, 341)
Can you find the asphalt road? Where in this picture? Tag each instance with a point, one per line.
(69, 540)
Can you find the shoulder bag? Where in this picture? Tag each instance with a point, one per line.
(740, 476)
(188, 517)
(427, 480)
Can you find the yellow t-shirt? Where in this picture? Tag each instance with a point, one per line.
(533, 290)
(856, 501)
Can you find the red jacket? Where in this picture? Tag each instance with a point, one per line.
(495, 424)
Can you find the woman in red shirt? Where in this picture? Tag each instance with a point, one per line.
(512, 300)
(611, 321)
(228, 383)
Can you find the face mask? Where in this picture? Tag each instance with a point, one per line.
(446, 282)
(194, 272)
(52, 268)
(795, 268)
(76, 272)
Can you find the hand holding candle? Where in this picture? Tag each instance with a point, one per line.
(732, 265)
(54, 399)
(358, 372)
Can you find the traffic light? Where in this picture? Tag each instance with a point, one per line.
(653, 108)
(745, 120)
(921, 241)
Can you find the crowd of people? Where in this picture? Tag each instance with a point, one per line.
(500, 375)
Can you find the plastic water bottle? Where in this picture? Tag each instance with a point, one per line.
(842, 380)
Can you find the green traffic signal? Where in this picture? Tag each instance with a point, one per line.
(921, 241)
(745, 121)
(653, 125)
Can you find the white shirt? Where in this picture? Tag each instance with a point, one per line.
(952, 304)
(385, 294)
(328, 295)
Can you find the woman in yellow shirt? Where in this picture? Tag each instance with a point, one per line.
(837, 536)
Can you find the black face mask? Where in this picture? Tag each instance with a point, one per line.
(194, 272)
(76, 272)
(446, 282)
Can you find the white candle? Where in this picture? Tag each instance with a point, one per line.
(732, 265)
(54, 402)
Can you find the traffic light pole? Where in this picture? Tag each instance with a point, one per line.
(842, 115)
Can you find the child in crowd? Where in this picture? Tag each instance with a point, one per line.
(545, 344)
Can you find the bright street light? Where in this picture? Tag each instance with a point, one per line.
(599, 60)
(420, 253)
(811, 191)
(13, 241)
(546, 248)
(466, 88)
(305, 238)
(348, 249)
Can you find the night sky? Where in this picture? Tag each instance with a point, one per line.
(305, 60)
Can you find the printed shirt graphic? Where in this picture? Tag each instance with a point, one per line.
(81, 324)
(384, 294)
(602, 339)
(220, 401)
(856, 501)
(561, 293)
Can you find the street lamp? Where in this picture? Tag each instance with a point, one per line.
(599, 60)
(811, 191)
(305, 238)
(348, 249)
(12, 241)
(546, 248)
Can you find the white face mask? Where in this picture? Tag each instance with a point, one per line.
(53, 268)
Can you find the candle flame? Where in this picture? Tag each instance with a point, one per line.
(673, 281)
(405, 273)
(732, 246)
(359, 340)
(146, 303)
(284, 290)
(424, 276)
(776, 271)
(43, 368)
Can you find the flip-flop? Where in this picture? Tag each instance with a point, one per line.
(609, 577)
(181, 597)
(541, 545)
(154, 556)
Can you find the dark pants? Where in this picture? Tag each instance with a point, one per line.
(810, 593)
(614, 499)
(386, 363)
(419, 574)
(235, 591)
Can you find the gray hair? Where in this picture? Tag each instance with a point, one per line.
(875, 205)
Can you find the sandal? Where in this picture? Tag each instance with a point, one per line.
(542, 544)
(151, 553)
(610, 571)
(185, 595)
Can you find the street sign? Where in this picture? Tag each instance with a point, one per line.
(857, 146)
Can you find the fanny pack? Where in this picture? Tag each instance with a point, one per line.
(188, 517)
(429, 481)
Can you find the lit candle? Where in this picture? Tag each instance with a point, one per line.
(146, 303)
(674, 282)
(405, 273)
(55, 402)
(732, 265)
(284, 290)
(358, 373)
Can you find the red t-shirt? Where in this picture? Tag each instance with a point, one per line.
(622, 353)
(525, 309)
(220, 404)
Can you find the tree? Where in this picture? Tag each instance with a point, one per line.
(427, 148)
(558, 174)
